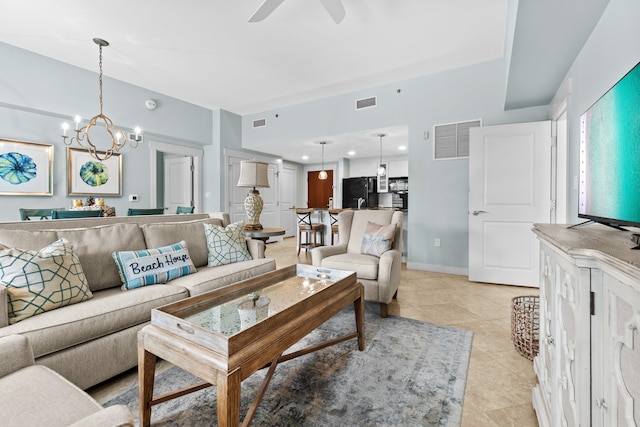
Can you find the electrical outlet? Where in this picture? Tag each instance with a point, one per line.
(133, 197)
(436, 243)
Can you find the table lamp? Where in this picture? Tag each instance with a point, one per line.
(254, 175)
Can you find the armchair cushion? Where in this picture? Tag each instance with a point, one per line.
(377, 238)
(39, 281)
(15, 354)
(365, 266)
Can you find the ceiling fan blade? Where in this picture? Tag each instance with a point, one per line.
(335, 9)
(265, 10)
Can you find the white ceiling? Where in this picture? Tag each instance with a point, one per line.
(207, 53)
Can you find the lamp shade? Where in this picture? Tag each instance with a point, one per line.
(253, 174)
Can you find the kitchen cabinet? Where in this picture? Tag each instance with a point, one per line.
(588, 367)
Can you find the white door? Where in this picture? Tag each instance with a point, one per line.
(270, 216)
(288, 201)
(178, 183)
(509, 191)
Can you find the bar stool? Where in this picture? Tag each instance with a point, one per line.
(333, 216)
(309, 229)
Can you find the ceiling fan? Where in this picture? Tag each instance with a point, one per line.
(334, 7)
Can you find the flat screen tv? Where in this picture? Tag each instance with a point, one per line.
(610, 155)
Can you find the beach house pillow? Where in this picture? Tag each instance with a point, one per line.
(226, 245)
(42, 280)
(377, 238)
(153, 266)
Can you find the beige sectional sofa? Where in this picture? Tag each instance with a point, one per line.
(93, 340)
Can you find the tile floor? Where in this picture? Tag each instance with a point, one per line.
(499, 381)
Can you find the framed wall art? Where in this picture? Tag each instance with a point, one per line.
(87, 176)
(26, 168)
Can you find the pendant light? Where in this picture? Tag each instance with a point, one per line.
(381, 170)
(323, 173)
(83, 134)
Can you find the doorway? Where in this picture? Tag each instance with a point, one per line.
(156, 149)
(509, 190)
(319, 190)
(178, 182)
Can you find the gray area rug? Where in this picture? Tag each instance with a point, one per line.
(411, 373)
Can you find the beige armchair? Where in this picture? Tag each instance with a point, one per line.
(380, 276)
(34, 395)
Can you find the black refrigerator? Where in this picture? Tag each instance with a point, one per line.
(363, 189)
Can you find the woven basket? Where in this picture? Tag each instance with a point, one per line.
(525, 325)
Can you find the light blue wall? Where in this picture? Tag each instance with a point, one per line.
(37, 94)
(610, 52)
(438, 201)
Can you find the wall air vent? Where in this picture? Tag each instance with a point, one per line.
(366, 103)
(451, 141)
(259, 123)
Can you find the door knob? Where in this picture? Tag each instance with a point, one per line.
(476, 213)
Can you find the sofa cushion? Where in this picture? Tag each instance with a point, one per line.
(210, 278)
(153, 266)
(27, 239)
(365, 266)
(226, 245)
(40, 281)
(94, 247)
(377, 238)
(108, 312)
(192, 232)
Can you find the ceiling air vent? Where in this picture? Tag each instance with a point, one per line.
(366, 103)
(259, 123)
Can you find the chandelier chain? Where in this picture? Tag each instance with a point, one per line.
(100, 79)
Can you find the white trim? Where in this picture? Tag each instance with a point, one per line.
(560, 162)
(196, 153)
(460, 271)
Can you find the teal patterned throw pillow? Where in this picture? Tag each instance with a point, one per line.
(39, 281)
(153, 266)
(226, 245)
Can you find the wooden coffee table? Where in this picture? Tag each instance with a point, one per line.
(226, 335)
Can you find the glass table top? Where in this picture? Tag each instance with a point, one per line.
(241, 313)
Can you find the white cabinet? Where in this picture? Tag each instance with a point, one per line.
(618, 401)
(588, 368)
(562, 365)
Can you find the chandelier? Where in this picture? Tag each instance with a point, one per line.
(83, 134)
(323, 173)
(381, 170)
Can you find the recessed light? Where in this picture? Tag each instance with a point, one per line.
(305, 157)
(351, 153)
(402, 148)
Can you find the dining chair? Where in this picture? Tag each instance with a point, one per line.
(151, 211)
(184, 209)
(28, 214)
(94, 213)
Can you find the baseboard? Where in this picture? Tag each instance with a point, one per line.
(460, 271)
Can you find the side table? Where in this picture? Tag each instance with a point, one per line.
(265, 233)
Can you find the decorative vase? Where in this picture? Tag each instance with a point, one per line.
(253, 205)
